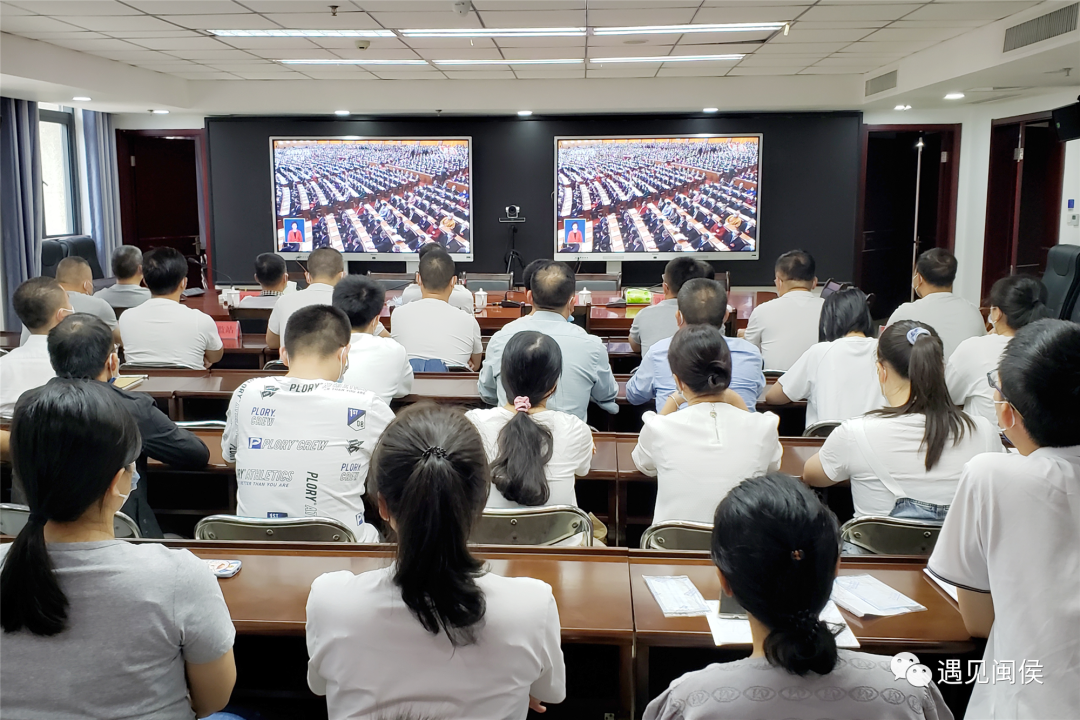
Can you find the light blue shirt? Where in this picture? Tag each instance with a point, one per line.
(653, 379)
(586, 372)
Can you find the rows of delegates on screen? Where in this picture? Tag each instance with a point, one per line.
(366, 197)
(658, 196)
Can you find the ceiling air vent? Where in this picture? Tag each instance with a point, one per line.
(1042, 28)
(881, 83)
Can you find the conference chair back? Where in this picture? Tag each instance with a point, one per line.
(305, 529)
(393, 281)
(881, 535)
(488, 282)
(604, 282)
(1062, 279)
(13, 517)
(253, 321)
(52, 252)
(276, 365)
(549, 525)
(677, 535)
(821, 429)
(83, 246)
(201, 424)
(128, 368)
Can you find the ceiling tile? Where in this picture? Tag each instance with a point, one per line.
(268, 42)
(402, 54)
(136, 56)
(837, 24)
(649, 16)
(126, 34)
(337, 43)
(291, 6)
(94, 45)
(33, 23)
(692, 70)
(868, 11)
(323, 21)
(248, 67)
(633, 41)
(330, 73)
(269, 75)
(550, 73)
(541, 42)
(846, 61)
(206, 55)
(815, 70)
(748, 13)
(989, 11)
(890, 34)
(445, 19)
(800, 48)
(207, 76)
(296, 53)
(598, 53)
(177, 66)
(407, 75)
(122, 22)
(626, 71)
(536, 19)
(182, 43)
(540, 53)
(186, 7)
(896, 48)
(637, 4)
(72, 34)
(779, 60)
(419, 6)
(706, 50)
(798, 35)
(529, 5)
(729, 37)
(246, 21)
(79, 7)
(12, 10)
(453, 42)
(782, 70)
(487, 74)
(744, 3)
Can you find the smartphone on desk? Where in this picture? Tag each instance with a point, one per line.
(730, 609)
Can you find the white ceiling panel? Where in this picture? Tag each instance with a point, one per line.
(630, 41)
(185, 7)
(248, 67)
(455, 42)
(710, 38)
(754, 70)
(125, 34)
(550, 73)
(896, 48)
(913, 34)
(136, 56)
(638, 4)
(838, 24)
(34, 23)
(798, 35)
(81, 7)
(706, 50)
(122, 22)
(800, 48)
(598, 53)
(858, 65)
(938, 23)
(407, 75)
(536, 19)
(681, 70)
(748, 13)
(93, 45)
(419, 6)
(248, 21)
(867, 11)
(402, 54)
(329, 73)
(626, 71)
(12, 10)
(988, 11)
(779, 60)
(460, 54)
(183, 43)
(486, 74)
(816, 70)
(650, 16)
(323, 21)
(271, 43)
(376, 43)
(73, 34)
(538, 53)
(207, 76)
(444, 19)
(294, 54)
(208, 55)
(293, 6)
(529, 5)
(269, 75)
(539, 42)
(745, 48)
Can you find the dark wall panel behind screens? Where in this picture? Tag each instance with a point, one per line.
(808, 192)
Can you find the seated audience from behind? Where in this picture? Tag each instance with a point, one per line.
(530, 270)
(312, 459)
(535, 453)
(325, 267)
(953, 317)
(434, 633)
(40, 304)
(657, 322)
(586, 373)
(837, 376)
(128, 291)
(1015, 301)
(904, 460)
(376, 363)
(80, 348)
(699, 453)
(119, 629)
(776, 549)
(273, 277)
(701, 302)
(460, 297)
(163, 331)
(433, 329)
(76, 278)
(1009, 542)
(786, 327)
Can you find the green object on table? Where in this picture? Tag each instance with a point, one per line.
(638, 296)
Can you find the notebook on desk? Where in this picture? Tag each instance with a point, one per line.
(126, 382)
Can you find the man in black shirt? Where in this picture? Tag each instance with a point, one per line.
(81, 347)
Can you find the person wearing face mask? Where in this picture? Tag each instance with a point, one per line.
(77, 279)
(81, 348)
(302, 442)
(93, 626)
(904, 460)
(40, 303)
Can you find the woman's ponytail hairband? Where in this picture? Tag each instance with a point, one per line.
(915, 333)
(522, 403)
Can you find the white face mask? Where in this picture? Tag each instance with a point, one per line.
(134, 484)
(344, 359)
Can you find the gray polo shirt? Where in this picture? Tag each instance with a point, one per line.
(123, 296)
(654, 323)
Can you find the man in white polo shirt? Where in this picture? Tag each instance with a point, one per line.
(161, 331)
(460, 297)
(325, 267)
(954, 318)
(657, 322)
(302, 442)
(378, 364)
(785, 328)
(433, 329)
(41, 304)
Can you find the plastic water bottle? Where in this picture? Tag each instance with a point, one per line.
(480, 299)
(584, 297)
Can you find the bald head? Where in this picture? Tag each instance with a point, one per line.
(74, 273)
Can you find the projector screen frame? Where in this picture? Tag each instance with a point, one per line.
(411, 257)
(615, 257)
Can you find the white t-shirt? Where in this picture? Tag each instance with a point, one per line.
(313, 458)
(1012, 532)
(784, 328)
(898, 443)
(371, 657)
(287, 304)
(164, 332)
(431, 329)
(965, 373)
(953, 317)
(571, 451)
(837, 379)
(460, 297)
(380, 365)
(260, 301)
(24, 368)
(700, 453)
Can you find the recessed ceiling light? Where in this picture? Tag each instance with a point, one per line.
(546, 61)
(282, 32)
(524, 113)
(665, 58)
(955, 96)
(338, 61)
(902, 107)
(494, 32)
(81, 98)
(681, 29)
(341, 112)
(160, 112)
(710, 110)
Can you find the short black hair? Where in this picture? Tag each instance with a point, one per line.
(319, 330)
(37, 300)
(796, 266)
(163, 270)
(126, 260)
(845, 311)
(325, 262)
(426, 248)
(553, 285)
(937, 267)
(703, 302)
(269, 268)
(69, 267)
(530, 270)
(437, 269)
(684, 268)
(1040, 377)
(80, 346)
(360, 298)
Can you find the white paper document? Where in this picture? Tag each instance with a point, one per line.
(736, 631)
(863, 595)
(677, 596)
(947, 587)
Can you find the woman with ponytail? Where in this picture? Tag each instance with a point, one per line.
(96, 627)
(905, 460)
(700, 452)
(776, 548)
(433, 634)
(535, 453)
(1015, 301)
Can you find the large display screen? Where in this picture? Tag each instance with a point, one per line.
(372, 198)
(639, 198)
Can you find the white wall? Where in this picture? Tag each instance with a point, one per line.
(149, 121)
(975, 167)
(1070, 189)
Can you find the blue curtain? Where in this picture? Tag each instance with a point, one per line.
(103, 185)
(22, 216)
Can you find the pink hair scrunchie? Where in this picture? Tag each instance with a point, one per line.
(522, 404)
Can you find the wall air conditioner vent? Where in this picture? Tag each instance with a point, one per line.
(881, 83)
(1042, 28)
